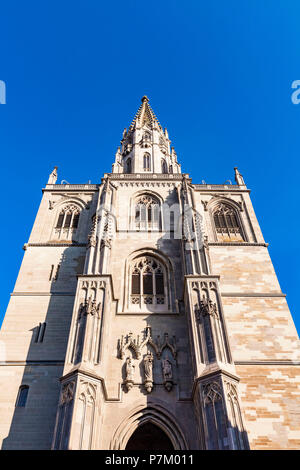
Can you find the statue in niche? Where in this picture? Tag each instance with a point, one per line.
(148, 369)
(167, 374)
(129, 368)
(167, 369)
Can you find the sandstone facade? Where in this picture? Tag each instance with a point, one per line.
(148, 299)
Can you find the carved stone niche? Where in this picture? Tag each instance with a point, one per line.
(137, 346)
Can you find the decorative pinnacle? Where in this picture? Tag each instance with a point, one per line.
(145, 98)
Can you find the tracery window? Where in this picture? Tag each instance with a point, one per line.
(147, 162)
(147, 282)
(147, 213)
(227, 223)
(67, 221)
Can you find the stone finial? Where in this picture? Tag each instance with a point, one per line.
(145, 98)
(238, 177)
(53, 176)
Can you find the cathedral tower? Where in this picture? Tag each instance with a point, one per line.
(147, 314)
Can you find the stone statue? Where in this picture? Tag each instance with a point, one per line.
(167, 374)
(148, 368)
(129, 369)
(167, 369)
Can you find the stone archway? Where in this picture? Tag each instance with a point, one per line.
(148, 436)
(162, 423)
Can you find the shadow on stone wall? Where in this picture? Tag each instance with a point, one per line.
(32, 426)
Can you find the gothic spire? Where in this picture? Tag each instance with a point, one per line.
(144, 115)
(145, 146)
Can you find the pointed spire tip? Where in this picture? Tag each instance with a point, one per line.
(145, 98)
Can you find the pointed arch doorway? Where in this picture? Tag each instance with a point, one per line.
(131, 431)
(148, 436)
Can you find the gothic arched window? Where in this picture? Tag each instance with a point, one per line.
(147, 282)
(68, 217)
(147, 213)
(147, 162)
(22, 396)
(227, 224)
(164, 167)
(128, 165)
(67, 221)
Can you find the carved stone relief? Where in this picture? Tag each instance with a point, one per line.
(137, 346)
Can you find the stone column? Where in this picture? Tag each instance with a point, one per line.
(78, 414)
(216, 382)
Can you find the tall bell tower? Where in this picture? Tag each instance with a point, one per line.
(147, 315)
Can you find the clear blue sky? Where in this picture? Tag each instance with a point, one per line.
(218, 75)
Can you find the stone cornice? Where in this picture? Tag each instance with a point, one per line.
(212, 188)
(266, 362)
(54, 362)
(72, 294)
(56, 245)
(147, 184)
(71, 187)
(237, 244)
(59, 362)
(252, 294)
(146, 176)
